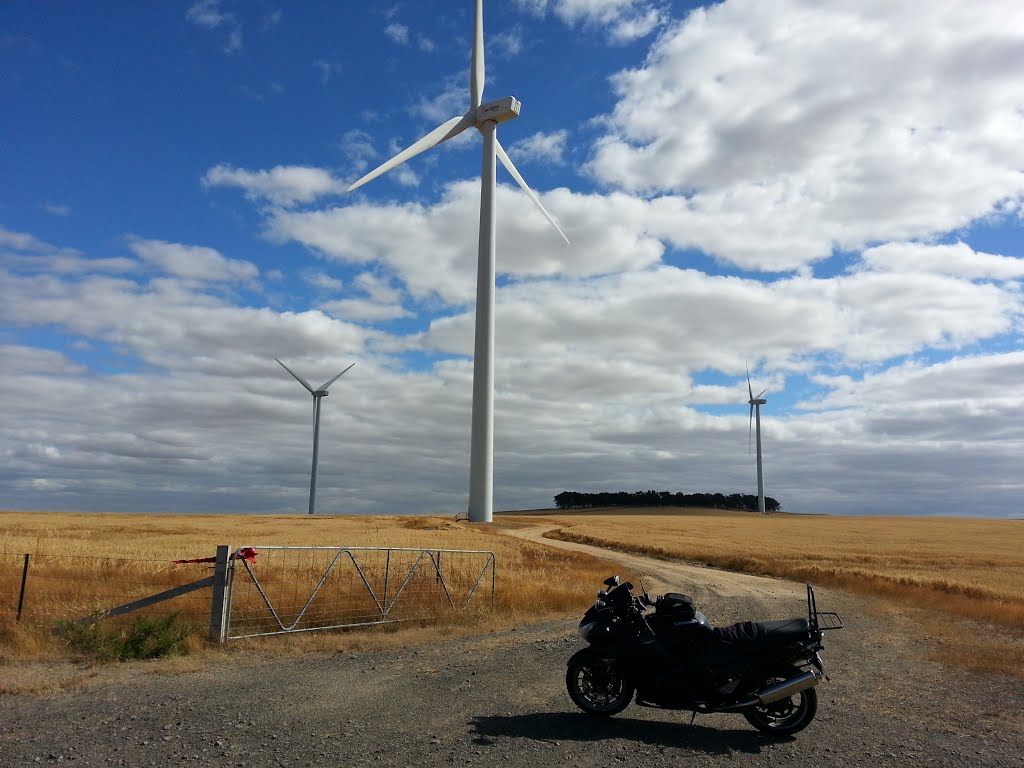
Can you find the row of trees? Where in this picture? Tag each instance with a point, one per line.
(744, 501)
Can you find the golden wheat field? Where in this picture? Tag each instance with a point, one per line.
(970, 567)
(967, 567)
(81, 562)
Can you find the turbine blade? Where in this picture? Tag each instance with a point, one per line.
(750, 390)
(325, 386)
(442, 133)
(476, 71)
(762, 392)
(526, 188)
(296, 376)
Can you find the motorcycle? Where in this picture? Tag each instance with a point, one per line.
(674, 658)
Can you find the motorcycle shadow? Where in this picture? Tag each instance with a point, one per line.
(570, 726)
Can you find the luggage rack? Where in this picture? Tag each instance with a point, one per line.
(820, 621)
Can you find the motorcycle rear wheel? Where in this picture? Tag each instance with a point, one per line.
(598, 687)
(787, 716)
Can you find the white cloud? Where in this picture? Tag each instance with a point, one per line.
(364, 310)
(397, 33)
(34, 360)
(958, 259)
(281, 185)
(624, 20)
(453, 99)
(433, 249)
(192, 262)
(811, 127)
(26, 243)
(21, 251)
(358, 148)
(507, 43)
(58, 210)
(672, 317)
(543, 147)
(973, 383)
(322, 280)
(208, 15)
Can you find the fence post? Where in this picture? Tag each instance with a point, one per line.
(219, 615)
(21, 594)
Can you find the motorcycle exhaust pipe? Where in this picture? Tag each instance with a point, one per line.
(777, 692)
(789, 688)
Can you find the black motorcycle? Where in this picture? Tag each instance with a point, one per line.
(674, 658)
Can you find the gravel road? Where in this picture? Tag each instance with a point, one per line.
(499, 699)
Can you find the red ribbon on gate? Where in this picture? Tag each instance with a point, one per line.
(245, 553)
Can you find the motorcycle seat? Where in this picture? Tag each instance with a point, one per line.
(751, 634)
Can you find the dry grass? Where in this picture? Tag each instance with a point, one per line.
(130, 555)
(936, 568)
(969, 567)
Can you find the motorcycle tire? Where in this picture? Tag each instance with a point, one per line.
(596, 686)
(787, 716)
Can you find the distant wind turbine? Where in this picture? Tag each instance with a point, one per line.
(485, 118)
(755, 411)
(317, 394)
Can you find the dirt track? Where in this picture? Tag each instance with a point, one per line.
(500, 699)
(665, 576)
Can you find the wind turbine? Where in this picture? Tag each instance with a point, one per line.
(317, 394)
(755, 411)
(484, 116)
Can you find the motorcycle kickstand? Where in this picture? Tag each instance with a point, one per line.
(694, 717)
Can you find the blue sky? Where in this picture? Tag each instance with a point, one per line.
(831, 195)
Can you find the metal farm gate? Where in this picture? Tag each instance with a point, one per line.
(301, 589)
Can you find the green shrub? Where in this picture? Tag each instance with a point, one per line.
(146, 637)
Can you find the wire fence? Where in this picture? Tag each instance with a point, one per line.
(268, 590)
(47, 589)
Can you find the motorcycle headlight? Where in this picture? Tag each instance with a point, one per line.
(584, 629)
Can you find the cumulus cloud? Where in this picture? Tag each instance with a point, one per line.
(847, 123)
(20, 251)
(957, 259)
(192, 262)
(433, 249)
(623, 20)
(282, 185)
(543, 147)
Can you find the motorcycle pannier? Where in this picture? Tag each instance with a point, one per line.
(676, 606)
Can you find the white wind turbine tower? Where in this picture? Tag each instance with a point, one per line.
(318, 394)
(755, 411)
(485, 118)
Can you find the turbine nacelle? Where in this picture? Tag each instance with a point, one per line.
(497, 111)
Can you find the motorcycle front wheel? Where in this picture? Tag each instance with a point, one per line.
(787, 716)
(596, 686)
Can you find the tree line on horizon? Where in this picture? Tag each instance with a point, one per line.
(740, 501)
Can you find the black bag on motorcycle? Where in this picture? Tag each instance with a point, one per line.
(676, 606)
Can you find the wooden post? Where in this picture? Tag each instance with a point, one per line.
(219, 605)
(21, 594)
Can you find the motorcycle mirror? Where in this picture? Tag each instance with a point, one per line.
(612, 581)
